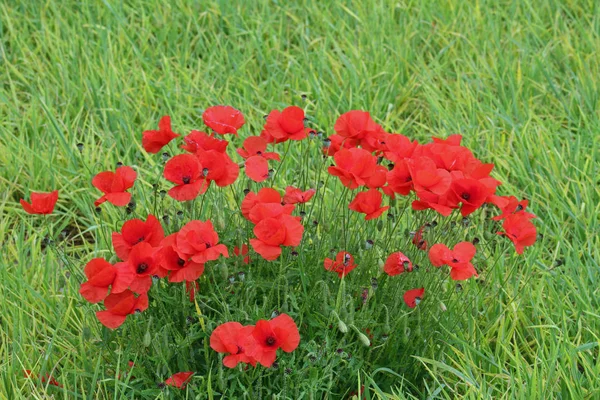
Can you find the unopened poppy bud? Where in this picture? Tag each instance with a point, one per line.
(271, 172)
(362, 337)
(306, 120)
(369, 244)
(119, 164)
(147, 339)
(380, 263)
(98, 209)
(443, 307)
(165, 156)
(385, 337)
(312, 134)
(320, 134)
(274, 314)
(80, 147)
(380, 225)
(342, 327)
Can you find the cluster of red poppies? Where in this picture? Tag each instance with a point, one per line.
(443, 176)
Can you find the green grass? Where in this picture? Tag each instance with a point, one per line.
(519, 80)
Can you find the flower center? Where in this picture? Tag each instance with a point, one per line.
(270, 341)
(205, 172)
(141, 239)
(466, 196)
(186, 179)
(454, 260)
(181, 262)
(259, 153)
(141, 268)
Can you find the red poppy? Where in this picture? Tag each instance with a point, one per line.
(136, 273)
(266, 204)
(41, 203)
(368, 203)
(452, 140)
(192, 288)
(280, 332)
(45, 378)
(458, 259)
(284, 125)
(396, 264)
(413, 297)
(119, 306)
(418, 239)
(378, 178)
(428, 178)
(114, 186)
(223, 119)
(399, 147)
(154, 141)
(257, 168)
(520, 230)
(100, 274)
(399, 179)
(353, 167)
(256, 146)
(242, 252)
(233, 338)
(356, 124)
(294, 195)
(218, 167)
(471, 193)
(197, 140)
(199, 241)
(180, 269)
(185, 171)
(509, 205)
(271, 233)
(428, 200)
(342, 265)
(179, 380)
(136, 231)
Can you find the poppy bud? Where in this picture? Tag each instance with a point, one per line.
(380, 263)
(312, 358)
(342, 326)
(380, 225)
(147, 339)
(312, 134)
(390, 215)
(443, 307)
(80, 147)
(369, 244)
(433, 224)
(362, 337)
(303, 97)
(320, 134)
(165, 157)
(119, 164)
(274, 314)
(306, 120)
(180, 214)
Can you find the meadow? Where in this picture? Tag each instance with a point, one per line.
(518, 80)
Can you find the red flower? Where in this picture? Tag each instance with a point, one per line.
(428, 178)
(114, 186)
(471, 193)
(181, 269)
(265, 204)
(199, 241)
(136, 273)
(179, 380)
(254, 151)
(396, 264)
(119, 306)
(136, 231)
(218, 167)
(368, 203)
(45, 378)
(520, 230)
(280, 332)
(233, 338)
(197, 140)
(284, 125)
(356, 124)
(399, 147)
(294, 195)
(342, 265)
(458, 259)
(271, 233)
(101, 274)
(400, 179)
(509, 205)
(242, 252)
(185, 171)
(354, 167)
(223, 119)
(154, 141)
(41, 203)
(413, 297)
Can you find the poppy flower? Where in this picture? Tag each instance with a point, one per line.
(353, 167)
(180, 269)
(136, 273)
(41, 203)
(185, 171)
(223, 119)
(233, 338)
(452, 140)
(284, 125)
(520, 230)
(242, 252)
(396, 264)
(218, 167)
(136, 231)
(154, 141)
(356, 124)
(378, 178)
(179, 380)
(418, 239)
(45, 378)
(266, 204)
(428, 200)
(368, 203)
(399, 179)
(199, 241)
(280, 332)
(458, 259)
(294, 195)
(114, 185)
(271, 233)
(399, 147)
(509, 205)
(256, 146)
(197, 140)
(471, 193)
(428, 178)
(342, 265)
(119, 306)
(413, 297)
(100, 274)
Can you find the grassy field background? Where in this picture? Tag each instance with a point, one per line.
(519, 80)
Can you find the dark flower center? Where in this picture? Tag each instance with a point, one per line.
(270, 341)
(141, 268)
(454, 260)
(141, 239)
(205, 172)
(186, 179)
(240, 350)
(259, 153)
(465, 196)
(208, 245)
(181, 262)
(408, 179)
